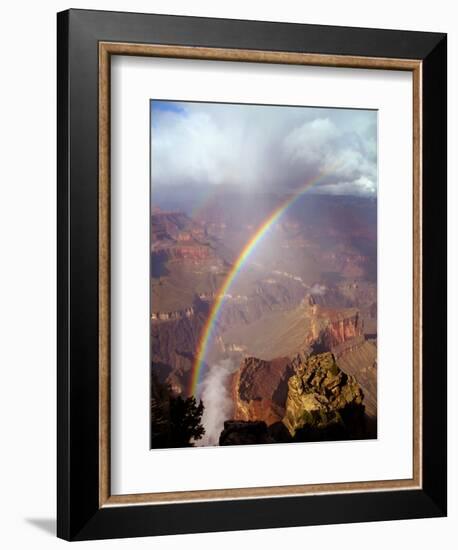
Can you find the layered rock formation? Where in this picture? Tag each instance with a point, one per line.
(307, 399)
(313, 296)
(329, 328)
(358, 357)
(172, 315)
(260, 389)
(174, 236)
(173, 226)
(173, 345)
(192, 250)
(283, 332)
(323, 401)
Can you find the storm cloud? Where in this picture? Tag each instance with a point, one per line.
(255, 146)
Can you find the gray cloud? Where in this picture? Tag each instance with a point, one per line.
(264, 146)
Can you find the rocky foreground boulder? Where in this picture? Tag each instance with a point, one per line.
(323, 401)
(260, 389)
(253, 432)
(244, 432)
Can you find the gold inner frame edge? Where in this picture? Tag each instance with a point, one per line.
(106, 50)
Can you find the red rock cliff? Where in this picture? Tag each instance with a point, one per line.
(332, 328)
(260, 389)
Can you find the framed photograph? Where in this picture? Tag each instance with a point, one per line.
(251, 274)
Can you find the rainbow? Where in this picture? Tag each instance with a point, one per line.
(210, 323)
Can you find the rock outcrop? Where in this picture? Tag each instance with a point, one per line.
(323, 402)
(174, 236)
(192, 251)
(173, 345)
(329, 327)
(260, 389)
(172, 315)
(320, 402)
(358, 357)
(239, 432)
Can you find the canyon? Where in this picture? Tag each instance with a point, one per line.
(309, 290)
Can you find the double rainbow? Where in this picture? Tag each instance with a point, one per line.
(211, 322)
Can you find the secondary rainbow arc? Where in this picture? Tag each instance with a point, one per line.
(210, 323)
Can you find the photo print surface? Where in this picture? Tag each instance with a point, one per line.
(263, 297)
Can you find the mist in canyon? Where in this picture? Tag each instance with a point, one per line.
(215, 394)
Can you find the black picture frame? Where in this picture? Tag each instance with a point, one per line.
(80, 516)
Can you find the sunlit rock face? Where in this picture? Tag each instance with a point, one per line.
(323, 401)
(309, 398)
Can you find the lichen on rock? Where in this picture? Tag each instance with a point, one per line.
(323, 401)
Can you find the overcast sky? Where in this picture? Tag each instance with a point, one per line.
(270, 147)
